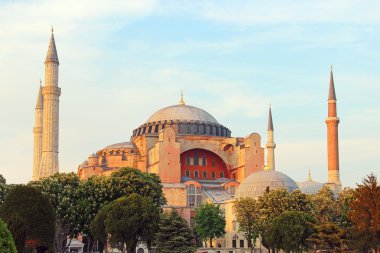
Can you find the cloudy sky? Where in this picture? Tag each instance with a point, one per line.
(120, 61)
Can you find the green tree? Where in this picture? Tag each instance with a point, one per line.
(329, 237)
(3, 188)
(209, 222)
(128, 220)
(97, 191)
(343, 206)
(292, 230)
(62, 189)
(272, 204)
(365, 210)
(29, 215)
(6, 240)
(247, 215)
(174, 234)
(325, 210)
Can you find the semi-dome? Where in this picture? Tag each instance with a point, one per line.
(310, 186)
(256, 184)
(182, 113)
(121, 145)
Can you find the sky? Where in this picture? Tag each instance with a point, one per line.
(120, 61)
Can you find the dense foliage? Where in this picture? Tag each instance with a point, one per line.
(3, 188)
(128, 220)
(365, 210)
(6, 240)
(291, 231)
(174, 234)
(247, 216)
(30, 218)
(209, 222)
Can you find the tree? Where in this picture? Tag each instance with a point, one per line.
(247, 216)
(325, 210)
(30, 218)
(365, 210)
(127, 220)
(62, 189)
(209, 222)
(6, 240)
(343, 208)
(292, 230)
(174, 234)
(3, 188)
(97, 191)
(329, 237)
(272, 204)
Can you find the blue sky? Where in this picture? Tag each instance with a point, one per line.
(121, 62)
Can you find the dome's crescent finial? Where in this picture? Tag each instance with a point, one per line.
(309, 176)
(181, 101)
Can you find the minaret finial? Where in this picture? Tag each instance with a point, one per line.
(52, 29)
(309, 176)
(181, 101)
(331, 67)
(40, 82)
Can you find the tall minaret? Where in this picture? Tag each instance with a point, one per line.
(332, 122)
(37, 132)
(270, 143)
(50, 128)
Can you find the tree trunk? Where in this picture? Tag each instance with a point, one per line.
(100, 247)
(210, 242)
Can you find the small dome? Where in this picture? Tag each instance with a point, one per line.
(120, 145)
(93, 155)
(256, 184)
(85, 162)
(182, 113)
(310, 187)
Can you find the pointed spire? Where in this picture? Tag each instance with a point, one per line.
(270, 122)
(181, 101)
(332, 88)
(40, 98)
(52, 55)
(309, 176)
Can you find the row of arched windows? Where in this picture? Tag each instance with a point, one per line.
(204, 174)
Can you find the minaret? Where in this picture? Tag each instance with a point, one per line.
(37, 132)
(50, 129)
(270, 143)
(332, 122)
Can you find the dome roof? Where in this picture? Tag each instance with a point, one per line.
(183, 113)
(310, 187)
(120, 145)
(255, 184)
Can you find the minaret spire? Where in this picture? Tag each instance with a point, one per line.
(50, 128)
(270, 143)
(52, 55)
(332, 122)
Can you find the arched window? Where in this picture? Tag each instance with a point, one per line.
(196, 174)
(140, 250)
(221, 174)
(187, 173)
(204, 174)
(213, 174)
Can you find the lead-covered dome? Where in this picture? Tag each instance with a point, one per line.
(310, 187)
(182, 113)
(256, 184)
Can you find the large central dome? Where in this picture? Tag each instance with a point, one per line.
(182, 113)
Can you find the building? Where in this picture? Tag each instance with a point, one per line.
(195, 156)
(46, 128)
